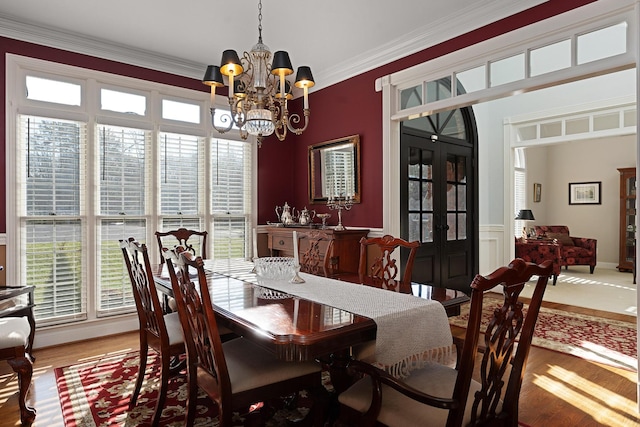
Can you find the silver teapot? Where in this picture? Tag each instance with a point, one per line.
(306, 216)
(286, 214)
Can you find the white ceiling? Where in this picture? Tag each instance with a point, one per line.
(337, 38)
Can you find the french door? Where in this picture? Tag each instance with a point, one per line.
(439, 199)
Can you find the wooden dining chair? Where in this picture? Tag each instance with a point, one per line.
(234, 374)
(180, 237)
(160, 331)
(381, 269)
(439, 395)
(14, 343)
(314, 248)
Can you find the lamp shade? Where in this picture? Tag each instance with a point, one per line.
(230, 63)
(304, 78)
(213, 76)
(525, 215)
(281, 62)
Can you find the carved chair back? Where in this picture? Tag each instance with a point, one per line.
(382, 271)
(150, 312)
(157, 330)
(314, 249)
(509, 324)
(207, 366)
(180, 237)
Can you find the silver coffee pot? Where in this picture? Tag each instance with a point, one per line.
(286, 214)
(306, 216)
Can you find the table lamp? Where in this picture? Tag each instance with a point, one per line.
(525, 215)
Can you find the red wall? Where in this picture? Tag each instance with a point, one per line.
(354, 107)
(347, 108)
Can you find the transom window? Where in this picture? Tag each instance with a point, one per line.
(523, 62)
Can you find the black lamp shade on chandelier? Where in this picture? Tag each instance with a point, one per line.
(525, 215)
(259, 91)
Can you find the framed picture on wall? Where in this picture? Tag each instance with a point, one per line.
(585, 193)
(537, 192)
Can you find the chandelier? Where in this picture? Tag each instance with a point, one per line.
(259, 91)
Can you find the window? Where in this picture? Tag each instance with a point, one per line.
(122, 181)
(89, 175)
(51, 216)
(231, 195)
(520, 188)
(48, 90)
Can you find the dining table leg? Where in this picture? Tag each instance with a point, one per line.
(337, 366)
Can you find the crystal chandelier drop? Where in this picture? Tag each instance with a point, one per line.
(259, 91)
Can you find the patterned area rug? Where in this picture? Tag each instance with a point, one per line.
(97, 394)
(606, 341)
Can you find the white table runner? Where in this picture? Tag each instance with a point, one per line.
(411, 331)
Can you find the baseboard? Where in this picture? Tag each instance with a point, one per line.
(607, 265)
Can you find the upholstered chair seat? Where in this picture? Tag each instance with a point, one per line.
(251, 367)
(400, 410)
(14, 331)
(14, 341)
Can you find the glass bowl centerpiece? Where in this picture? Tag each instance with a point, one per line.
(275, 268)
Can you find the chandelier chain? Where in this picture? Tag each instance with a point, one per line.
(260, 21)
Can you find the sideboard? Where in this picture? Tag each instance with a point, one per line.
(345, 252)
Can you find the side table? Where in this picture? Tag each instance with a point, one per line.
(21, 308)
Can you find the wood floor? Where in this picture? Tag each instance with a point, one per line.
(558, 389)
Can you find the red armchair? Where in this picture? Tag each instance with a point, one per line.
(574, 250)
(537, 251)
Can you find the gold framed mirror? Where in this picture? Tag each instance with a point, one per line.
(334, 169)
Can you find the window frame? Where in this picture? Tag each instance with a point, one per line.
(90, 112)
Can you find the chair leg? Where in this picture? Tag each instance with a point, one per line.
(23, 367)
(591, 268)
(192, 393)
(164, 385)
(555, 279)
(141, 371)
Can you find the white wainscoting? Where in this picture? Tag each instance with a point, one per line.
(491, 248)
(80, 331)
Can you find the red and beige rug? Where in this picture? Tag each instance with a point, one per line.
(97, 394)
(607, 341)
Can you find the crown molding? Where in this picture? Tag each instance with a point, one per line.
(83, 44)
(476, 15)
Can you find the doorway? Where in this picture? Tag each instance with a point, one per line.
(438, 197)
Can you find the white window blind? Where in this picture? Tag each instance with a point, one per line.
(53, 165)
(231, 197)
(122, 170)
(122, 182)
(520, 188)
(114, 287)
(180, 174)
(181, 182)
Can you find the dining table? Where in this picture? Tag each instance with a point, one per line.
(323, 317)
